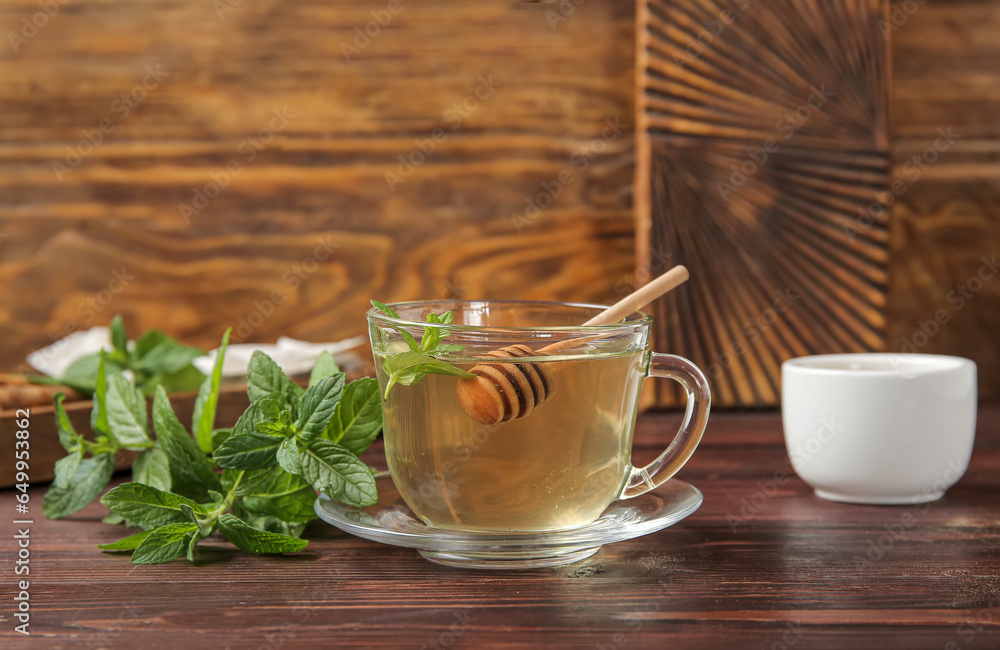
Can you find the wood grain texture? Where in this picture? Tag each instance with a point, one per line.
(945, 198)
(318, 188)
(763, 131)
(307, 229)
(761, 564)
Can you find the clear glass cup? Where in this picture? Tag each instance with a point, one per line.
(570, 399)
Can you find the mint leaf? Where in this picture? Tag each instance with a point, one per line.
(167, 357)
(206, 524)
(147, 506)
(68, 437)
(164, 544)
(127, 413)
(119, 340)
(184, 380)
(192, 474)
(409, 367)
(289, 457)
(219, 436)
(277, 493)
(433, 335)
(66, 467)
(357, 419)
(338, 473)
(385, 309)
(317, 406)
(147, 342)
(270, 524)
(250, 539)
(129, 543)
(390, 312)
(324, 367)
(99, 412)
(247, 423)
(295, 508)
(208, 399)
(265, 481)
(266, 379)
(91, 476)
(152, 468)
(247, 451)
(82, 373)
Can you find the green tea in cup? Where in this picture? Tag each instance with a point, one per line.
(562, 452)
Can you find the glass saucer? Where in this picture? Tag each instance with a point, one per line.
(390, 521)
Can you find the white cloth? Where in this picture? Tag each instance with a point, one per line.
(294, 357)
(55, 359)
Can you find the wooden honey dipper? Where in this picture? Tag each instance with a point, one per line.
(504, 391)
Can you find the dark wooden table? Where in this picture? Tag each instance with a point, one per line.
(762, 564)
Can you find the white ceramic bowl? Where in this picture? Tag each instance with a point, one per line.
(879, 428)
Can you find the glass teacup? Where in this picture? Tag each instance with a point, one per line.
(568, 396)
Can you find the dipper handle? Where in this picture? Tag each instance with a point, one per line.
(505, 390)
(641, 297)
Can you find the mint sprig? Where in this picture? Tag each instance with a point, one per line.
(406, 368)
(289, 443)
(154, 360)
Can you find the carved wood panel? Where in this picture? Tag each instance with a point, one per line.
(762, 142)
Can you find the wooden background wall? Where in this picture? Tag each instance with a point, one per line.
(946, 63)
(447, 229)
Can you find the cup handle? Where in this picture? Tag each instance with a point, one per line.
(699, 402)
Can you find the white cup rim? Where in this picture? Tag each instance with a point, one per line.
(884, 364)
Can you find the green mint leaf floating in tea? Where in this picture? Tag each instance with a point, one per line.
(433, 335)
(385, 309)
(407, 368)
(411, 342)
